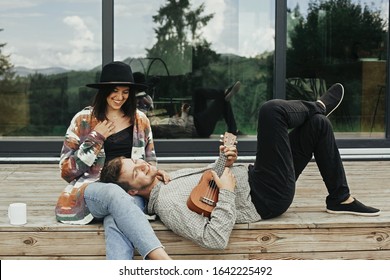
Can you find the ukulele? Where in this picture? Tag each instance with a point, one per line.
(204, 196)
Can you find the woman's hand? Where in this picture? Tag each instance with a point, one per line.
(231, 154)
(226, 181)
(105, 128)
(163, 176)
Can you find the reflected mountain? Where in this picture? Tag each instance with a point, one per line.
(22, 71)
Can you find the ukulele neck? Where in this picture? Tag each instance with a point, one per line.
(220, 164)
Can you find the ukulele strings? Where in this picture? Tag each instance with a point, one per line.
(213, 186)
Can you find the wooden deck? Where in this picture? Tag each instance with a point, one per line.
(306, 231)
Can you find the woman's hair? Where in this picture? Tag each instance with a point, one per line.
(111, 173)
(100, 103)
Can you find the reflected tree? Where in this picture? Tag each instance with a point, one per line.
(335, 31)
(180, 43)
(329, 44)
(5, 63)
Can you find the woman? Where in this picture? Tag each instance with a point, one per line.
(111, 127)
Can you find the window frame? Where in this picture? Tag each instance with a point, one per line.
(41, 147)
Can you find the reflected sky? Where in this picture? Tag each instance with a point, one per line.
(67, 33)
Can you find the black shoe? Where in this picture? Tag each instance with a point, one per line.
(332, 98)
(354, 208)
(232, 90)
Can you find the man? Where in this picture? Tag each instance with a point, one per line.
(264, 191)
(210, 104)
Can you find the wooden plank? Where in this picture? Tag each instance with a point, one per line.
(241, 242)
(305, 231)
(361, 255)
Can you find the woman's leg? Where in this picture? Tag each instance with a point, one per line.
(110, 199)
(118, 247)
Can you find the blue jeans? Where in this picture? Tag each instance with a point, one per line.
(125, 224)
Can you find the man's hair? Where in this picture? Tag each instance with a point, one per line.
(111, 173)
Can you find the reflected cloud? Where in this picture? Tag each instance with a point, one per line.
(83, 48)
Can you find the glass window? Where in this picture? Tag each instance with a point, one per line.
(191, 54)
(49, 49)
(341, 41)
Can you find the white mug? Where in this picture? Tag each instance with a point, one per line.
(17, 213)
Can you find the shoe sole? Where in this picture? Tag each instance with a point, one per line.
(354, 213)
(341, 99)
(236, 87)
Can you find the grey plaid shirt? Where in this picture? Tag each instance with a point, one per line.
(169, 202)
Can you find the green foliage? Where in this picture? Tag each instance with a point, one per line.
(180, 50)
(335, 31)
(192, 63)
(179, 38)
(329, 43)
(5, 64)
(52, 100)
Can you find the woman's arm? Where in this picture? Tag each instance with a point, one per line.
(81, 150)
(146, 132)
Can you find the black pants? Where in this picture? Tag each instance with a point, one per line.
(281, 156)
(209, 107)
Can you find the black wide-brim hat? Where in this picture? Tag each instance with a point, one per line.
(117, 73)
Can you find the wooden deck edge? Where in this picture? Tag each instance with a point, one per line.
(248, 244)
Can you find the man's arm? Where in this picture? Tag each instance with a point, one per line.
(210, 233)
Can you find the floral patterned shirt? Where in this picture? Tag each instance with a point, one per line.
(83, 157)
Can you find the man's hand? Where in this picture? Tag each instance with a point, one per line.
(163, 176)
(230, 153)
(227, 180)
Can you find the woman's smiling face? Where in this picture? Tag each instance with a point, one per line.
(118, 97)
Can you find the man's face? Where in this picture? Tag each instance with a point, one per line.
(138, 173)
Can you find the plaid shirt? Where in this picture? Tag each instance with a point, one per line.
(83, 157)
(169, 202)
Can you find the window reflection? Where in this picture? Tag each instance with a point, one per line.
(48, 51)
(340, 41)
(199, 49)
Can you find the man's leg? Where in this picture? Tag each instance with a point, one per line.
(316, 137)
(272, 178)
(230, 120)
(209, 106)
(208, 109)
(272, 184)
